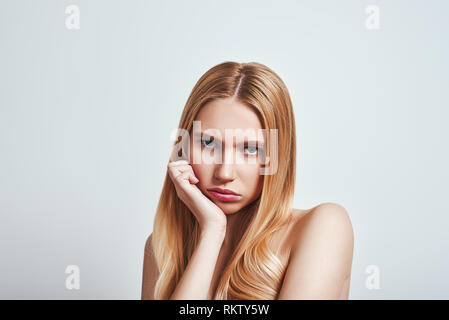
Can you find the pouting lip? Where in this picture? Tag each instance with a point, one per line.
(224, 191)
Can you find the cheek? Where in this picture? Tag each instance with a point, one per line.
(202, 172)
(196, 170)
(252, 178)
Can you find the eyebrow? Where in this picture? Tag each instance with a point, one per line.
(201, 134)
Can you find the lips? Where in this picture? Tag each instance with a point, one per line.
(224, 194)
(224, 191)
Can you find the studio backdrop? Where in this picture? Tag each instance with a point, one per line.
(90, 92)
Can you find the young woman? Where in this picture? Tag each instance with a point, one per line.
(226, 229)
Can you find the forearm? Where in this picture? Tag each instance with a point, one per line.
(195, 282)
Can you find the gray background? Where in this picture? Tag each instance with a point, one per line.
(86, 115)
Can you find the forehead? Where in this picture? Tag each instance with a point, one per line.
(228, 113)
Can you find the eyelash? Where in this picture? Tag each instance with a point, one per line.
(251, 154)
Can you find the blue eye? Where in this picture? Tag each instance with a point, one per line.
(203, 141)
(254, 150)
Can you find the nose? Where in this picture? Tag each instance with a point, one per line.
(225, 171)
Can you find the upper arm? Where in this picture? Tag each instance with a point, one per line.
(150, 271)
(321, 255)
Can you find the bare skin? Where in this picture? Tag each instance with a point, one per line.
(282, 243)
(316, 248)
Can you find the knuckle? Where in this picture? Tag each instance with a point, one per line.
(180, 176)
(171, 164)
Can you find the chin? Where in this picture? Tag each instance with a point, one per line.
(229, 208)
(230, 212)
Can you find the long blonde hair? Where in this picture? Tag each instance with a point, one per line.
(254, 271)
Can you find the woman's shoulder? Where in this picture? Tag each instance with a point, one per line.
(328, 220)
(319, 235)
(327, 210)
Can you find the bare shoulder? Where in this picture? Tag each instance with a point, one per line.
(320, 262)
(150, 271)
(149, 244)
(316, 220)
(327, 220)
(328, 213)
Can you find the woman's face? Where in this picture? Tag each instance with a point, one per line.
(228, 163)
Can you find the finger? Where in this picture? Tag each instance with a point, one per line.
(174, 170)
(193, 179)
(190, 176)
(183, 176)
(177, 163)
(180, 169)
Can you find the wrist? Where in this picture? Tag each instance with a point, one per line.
(217, 233)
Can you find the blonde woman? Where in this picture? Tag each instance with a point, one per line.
(225, 227)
